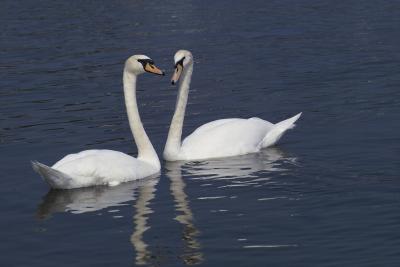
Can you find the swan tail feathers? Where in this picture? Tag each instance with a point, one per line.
(277, 131)
(53, 177)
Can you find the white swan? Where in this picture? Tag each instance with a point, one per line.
(220, 138)
(108, 167)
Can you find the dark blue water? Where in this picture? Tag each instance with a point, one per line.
(327, 195)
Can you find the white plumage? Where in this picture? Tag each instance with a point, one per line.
(94, 167)
(220, 138)
(108, 167)
(232, 137)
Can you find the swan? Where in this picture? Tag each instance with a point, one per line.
(108, 167)
(219, 138)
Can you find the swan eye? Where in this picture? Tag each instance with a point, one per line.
(180, 62)
(145, 61)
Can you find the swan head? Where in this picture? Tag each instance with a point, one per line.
(139, 64)
(182, 59)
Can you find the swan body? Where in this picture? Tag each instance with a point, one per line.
(94, 167)
(108, 167)
(219, 138)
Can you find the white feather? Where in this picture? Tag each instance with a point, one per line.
(108, 167)
(220, 138)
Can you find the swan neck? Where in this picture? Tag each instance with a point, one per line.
(146, 151)
(173, 145)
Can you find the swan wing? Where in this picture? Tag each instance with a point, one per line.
(53, 177)
(76, 156)
(224, 138)
(273, 136)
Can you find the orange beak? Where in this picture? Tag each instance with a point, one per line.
(153, 69)
(177, 74)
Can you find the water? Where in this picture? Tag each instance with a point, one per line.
(328, 195)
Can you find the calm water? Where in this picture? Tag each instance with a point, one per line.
(328, 195)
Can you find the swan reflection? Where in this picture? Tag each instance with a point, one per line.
(89, 199)
(242, 170)
(247, 167)
(192, 254)
(146, 194)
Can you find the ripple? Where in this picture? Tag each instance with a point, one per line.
(271, 246)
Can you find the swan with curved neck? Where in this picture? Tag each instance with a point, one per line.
(220, 138)
(108, 167)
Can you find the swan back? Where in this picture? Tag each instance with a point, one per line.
(94, 167)
(225, 138)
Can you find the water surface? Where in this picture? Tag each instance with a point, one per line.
(327, 195)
